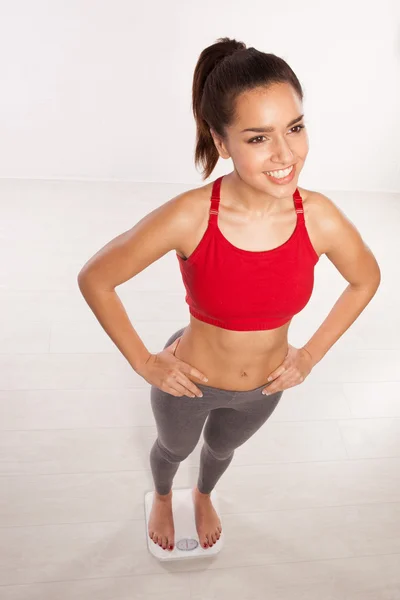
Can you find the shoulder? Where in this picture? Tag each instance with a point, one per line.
(191, 211)
(325, 213)
(342, 243)
(316, 199)
(326, 219)
(187, 205)
(191, 204)
(313, 200)
(333, 232)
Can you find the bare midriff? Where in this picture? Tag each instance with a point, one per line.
(232, 360)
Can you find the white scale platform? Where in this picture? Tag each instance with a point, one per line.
(187, 543)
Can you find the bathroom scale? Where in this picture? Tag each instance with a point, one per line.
(187, 545)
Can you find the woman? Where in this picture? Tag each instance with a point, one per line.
(247, 244)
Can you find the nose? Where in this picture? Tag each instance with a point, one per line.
(283, 154)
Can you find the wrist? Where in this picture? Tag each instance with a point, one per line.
(309, 354)
(141, 364)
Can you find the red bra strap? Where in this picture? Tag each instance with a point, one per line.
(298, 202)
(215, 198)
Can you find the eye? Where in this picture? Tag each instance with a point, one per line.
(256, 138)
(299, 127)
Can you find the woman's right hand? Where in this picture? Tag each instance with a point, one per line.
(169, 373)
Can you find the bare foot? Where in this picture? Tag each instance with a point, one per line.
(161, 522)
(208, 524)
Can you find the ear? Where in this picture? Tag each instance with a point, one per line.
(220, 145)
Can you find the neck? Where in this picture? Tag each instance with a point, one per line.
(249, 199)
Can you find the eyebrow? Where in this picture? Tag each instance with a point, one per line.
(270, 129)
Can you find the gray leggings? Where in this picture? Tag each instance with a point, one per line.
(233, 417)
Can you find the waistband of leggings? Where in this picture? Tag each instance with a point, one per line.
(202, 386)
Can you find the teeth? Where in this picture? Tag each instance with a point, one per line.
(280, 174)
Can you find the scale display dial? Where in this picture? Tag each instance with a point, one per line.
(187, 544)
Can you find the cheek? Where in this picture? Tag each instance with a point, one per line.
(252, 159)
(304, 147)
(303, 156)
(247, 161)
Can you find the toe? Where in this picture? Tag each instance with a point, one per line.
(164, 542)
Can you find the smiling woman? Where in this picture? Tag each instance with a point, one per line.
(247, 245)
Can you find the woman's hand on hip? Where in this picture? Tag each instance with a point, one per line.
(293, 371)
(170, 374)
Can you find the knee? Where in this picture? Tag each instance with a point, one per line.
(218, 450)
(172, 454)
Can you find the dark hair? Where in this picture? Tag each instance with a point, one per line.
(223, 71)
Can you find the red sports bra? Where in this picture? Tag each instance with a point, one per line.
(247, 290)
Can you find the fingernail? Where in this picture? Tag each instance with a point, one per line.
(205, 378)
(269, 379)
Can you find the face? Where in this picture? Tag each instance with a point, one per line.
(253, 153)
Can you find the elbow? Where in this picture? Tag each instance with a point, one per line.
(82, 283)
(81, 278)
(87, 282)
(370, 281)
(370, 286)
(376, 278)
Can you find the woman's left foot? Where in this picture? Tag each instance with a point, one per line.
(208, 524)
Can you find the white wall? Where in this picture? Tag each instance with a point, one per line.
(82, 82)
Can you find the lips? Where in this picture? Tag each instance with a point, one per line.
(283, 180)
(282, 169)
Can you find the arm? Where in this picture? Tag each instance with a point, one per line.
(121, 259)
(354, 260)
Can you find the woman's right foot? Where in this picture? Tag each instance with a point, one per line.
(161, 522)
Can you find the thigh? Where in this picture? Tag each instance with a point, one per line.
(228, 428)
(179, 419)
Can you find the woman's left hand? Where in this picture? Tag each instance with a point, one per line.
(294, 369)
